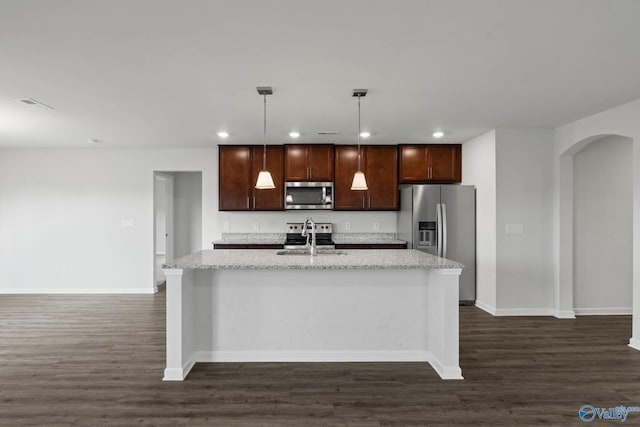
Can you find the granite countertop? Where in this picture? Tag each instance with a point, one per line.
(279, 238)
(351, 259)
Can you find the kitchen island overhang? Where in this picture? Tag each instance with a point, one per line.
(363, 306)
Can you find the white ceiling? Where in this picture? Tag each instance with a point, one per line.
(149, 73)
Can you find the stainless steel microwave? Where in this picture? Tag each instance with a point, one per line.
(308, 195)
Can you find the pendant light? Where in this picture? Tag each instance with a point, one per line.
(359, 181)
(265, 181)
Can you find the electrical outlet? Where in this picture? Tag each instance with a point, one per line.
(347, 226)
(227, 227)
(376, 226)
(127, 222)
(256, 226)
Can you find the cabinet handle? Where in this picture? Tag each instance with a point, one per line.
(369, 196)
(254, 202)
(362, 202)
(310, 174)
(248, 203)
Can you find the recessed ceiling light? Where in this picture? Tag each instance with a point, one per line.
(438, 134)
(223, 134)
(365, 134)
(294, 134)
(94, 141)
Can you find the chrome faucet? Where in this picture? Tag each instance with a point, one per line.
(312, 248)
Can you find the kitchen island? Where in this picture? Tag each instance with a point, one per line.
(350, 306)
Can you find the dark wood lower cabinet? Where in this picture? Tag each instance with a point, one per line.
(247, 246)
(371, 245)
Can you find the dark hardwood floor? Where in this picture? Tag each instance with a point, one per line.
(98, 360)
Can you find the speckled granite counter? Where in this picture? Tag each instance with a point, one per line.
(351, 259)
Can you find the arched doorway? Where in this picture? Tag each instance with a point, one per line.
(602, 227)
(564, 292)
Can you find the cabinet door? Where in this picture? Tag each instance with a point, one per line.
(234, 173)
(346, 164)
(445, 162)
(382, 177)
(295, 163)
(268, 200)
(414, 166)
(320, 162)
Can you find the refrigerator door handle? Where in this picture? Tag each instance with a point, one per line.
(444, 230)
(438, 230)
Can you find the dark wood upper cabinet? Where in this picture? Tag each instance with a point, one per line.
(238, 171)
(268, 200)
(346, 164)
(430, 163)
(380, 166)
(308, 162)
(382, 177)
(234, 182)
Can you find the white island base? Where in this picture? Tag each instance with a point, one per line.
(312, 315)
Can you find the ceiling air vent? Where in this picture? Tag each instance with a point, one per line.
(33, 103)
(328, 132)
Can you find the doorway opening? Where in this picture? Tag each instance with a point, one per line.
(603, 227)
(177, 218)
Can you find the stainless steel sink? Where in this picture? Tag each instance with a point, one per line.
(305, 252)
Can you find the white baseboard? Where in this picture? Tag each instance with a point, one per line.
(445, 372)
(29, 291)
(604, 311)
(312, 356)
(634, 343)
(564, 314)
(486, 307)
(514, 311)
(179, 374)
(524, 312)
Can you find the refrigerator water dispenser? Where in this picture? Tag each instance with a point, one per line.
(427, 233)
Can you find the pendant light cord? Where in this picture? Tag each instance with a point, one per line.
(264, 152)
(358, 133)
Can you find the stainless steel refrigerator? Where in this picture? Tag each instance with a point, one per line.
(441, 220)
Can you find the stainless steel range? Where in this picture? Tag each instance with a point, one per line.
(295, 239)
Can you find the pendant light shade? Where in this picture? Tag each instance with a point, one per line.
(359, 180)
(265, 180)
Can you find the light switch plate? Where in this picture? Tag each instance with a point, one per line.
(514, 229)
(376, 226)
(227, 227)
(256, 226)
(347, 226)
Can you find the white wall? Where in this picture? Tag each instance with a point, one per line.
(187, 207)
(603, 217)
(479, 169)
(512, 172)
(524, 198)
(61, 213)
